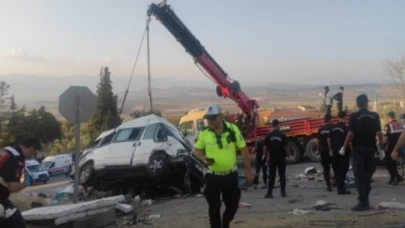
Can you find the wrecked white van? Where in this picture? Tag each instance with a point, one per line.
(142, 150)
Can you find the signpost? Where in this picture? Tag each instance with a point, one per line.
(77, 104)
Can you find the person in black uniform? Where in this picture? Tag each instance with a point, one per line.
(260, 162)
(364, 128)
(276, 147)
(338, 97)
(393, 130)
(336, 140)
(323, 148)
(12, 163)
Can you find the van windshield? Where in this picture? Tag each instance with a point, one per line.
(46, 164)
(35, 168)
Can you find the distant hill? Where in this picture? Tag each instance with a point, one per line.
(174, 97)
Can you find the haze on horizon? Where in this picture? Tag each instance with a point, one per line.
(311, 42)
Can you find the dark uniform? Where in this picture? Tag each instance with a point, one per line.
(326, 159)
(364, 124)
(222, 176)
(12, 163)
(275, 142)
(339, 100)
(260, 163)
(392, 131)
(337, 135)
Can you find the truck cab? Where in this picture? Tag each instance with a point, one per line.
(191, 124)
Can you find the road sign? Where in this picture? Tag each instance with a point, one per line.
(77, 104)
(67, 103)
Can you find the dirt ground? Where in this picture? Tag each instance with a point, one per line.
(302, 194)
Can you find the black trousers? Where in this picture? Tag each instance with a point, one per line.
(326, 162)
(391, 165)
(342, 166)
(260, 165)
(274, 165)
(229, 187)
(363, 169)
(15, 221)
(328, 110)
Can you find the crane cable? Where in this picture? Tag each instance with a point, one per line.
(133, 70)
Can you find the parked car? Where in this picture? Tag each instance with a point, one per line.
(57, 164)
(35, 171)
(145, 151)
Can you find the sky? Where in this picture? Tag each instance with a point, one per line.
(260, 41)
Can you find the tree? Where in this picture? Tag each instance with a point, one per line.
(395, 70)
(13, 105)
(139, 113)
(107, 116)
(4, 99)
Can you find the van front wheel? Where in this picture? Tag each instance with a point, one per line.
(158, 165)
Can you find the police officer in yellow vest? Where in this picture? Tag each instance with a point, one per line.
(220, 142)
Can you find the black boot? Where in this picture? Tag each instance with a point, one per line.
(329, 188)
(343, 191)
(283, 194)
(362, 205)
(269, 195)
(391, 181)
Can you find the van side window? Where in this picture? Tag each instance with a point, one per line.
(150, 131)
(187, 127)
(130, 134)
(52, 165)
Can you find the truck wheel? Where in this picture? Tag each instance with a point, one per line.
(158, 165)
(295, 150)
(86, 173)
(311, 152)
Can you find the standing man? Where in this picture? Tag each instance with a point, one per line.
(364, 128)
(220, 142)
(323, 148)
(260, 162)
(12, 163)
(328, 100)
(393, 130)
(336, 140)
(338, 97)
(275, 145)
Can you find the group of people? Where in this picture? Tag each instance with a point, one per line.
(359, 141)
(329, 98)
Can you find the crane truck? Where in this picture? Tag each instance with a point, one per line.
(301, 133)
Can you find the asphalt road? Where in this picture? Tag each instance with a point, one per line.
(302, 195)
(54, 183)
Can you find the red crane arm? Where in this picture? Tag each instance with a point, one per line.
(226, 87)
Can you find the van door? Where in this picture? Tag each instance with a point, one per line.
(123, 146)
(148, 143)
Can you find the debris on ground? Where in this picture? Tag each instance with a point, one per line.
(322, 205)
(245, 205)
(147, 202)
(101, 210)
(26, 202)
(294, 201)
(123, 208)
(300, 176)
(310, 171)
(147, 219)
(297, 211)
(390, 205)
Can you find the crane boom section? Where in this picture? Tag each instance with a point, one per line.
(202, 58)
